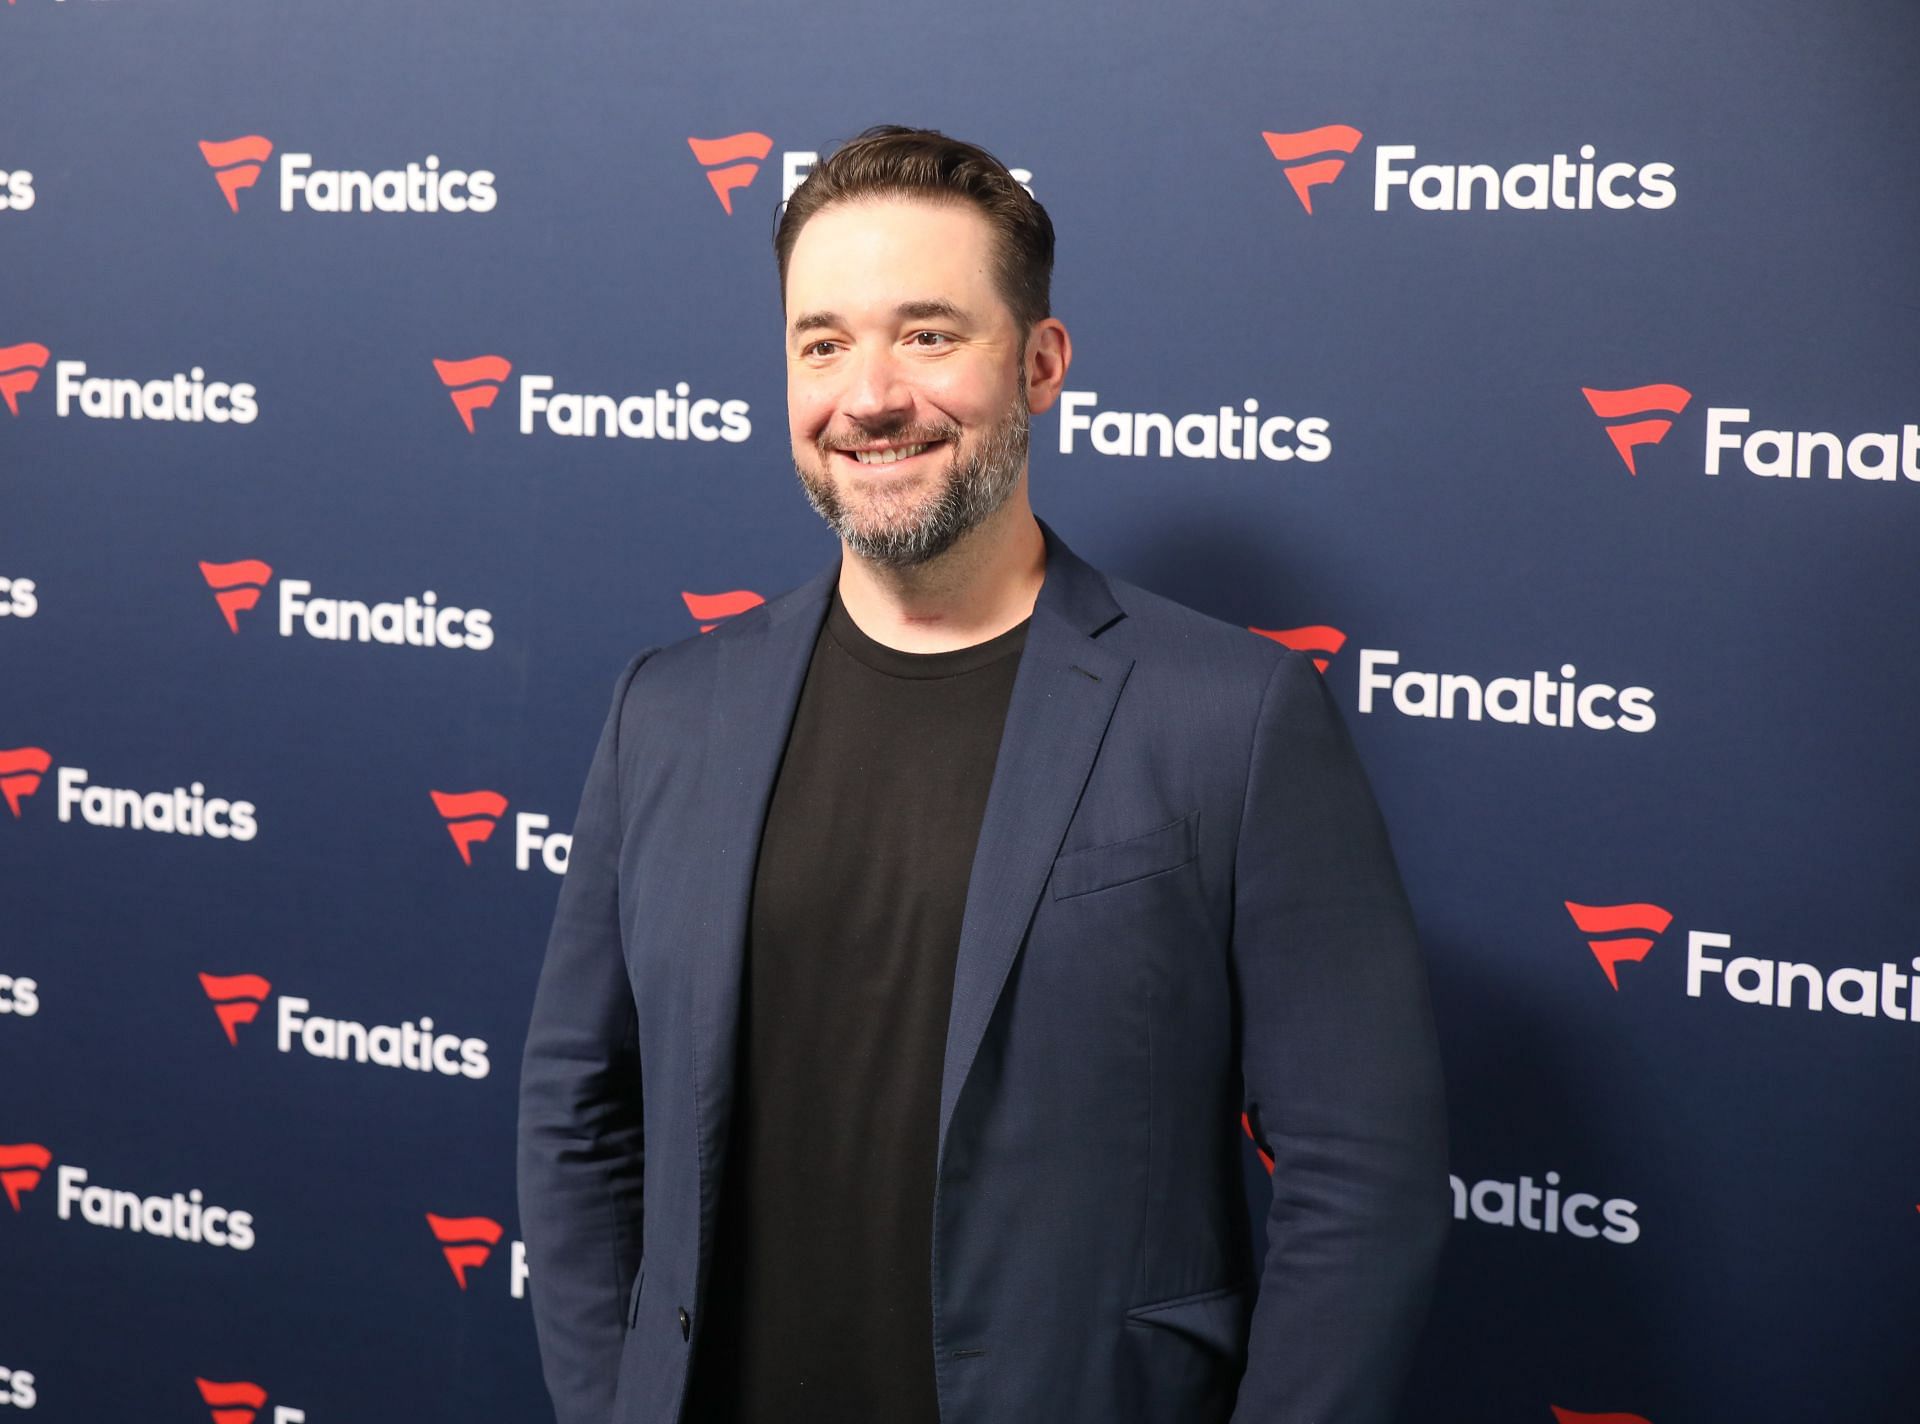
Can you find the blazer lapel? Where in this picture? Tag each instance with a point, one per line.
(756, 691)
(1063, 697)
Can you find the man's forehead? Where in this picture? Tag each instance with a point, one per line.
(891, 255)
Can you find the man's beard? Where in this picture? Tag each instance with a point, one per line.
(890, 530)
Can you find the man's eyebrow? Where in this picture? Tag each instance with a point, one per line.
(935, 309)
(930, 309)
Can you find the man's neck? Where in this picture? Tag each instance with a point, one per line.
(984, 585)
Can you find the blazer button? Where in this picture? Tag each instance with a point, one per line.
(686, 1325)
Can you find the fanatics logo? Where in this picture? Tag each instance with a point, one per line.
(473, 383)
(180, 811)
(1574, 1416)
(1636, 926)
(20, 771)
(726, 162)
(185, 395)
(418, 188)
(236, 163)
(21, 1164)
(20, 368)
(1305, 170)
(1318, 639)
(232, 1403)
(236, 999)
(1641, 402)
(412, 1044)
(236, 586)
(1540, 700)
(465, 1240)
(422, 622)
(1317, 156)
(470, 816)
(710, 610)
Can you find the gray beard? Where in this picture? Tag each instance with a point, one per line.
(969, 493)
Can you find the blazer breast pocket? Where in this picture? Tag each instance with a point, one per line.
(1102, 867)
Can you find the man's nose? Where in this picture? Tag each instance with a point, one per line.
(877, 392)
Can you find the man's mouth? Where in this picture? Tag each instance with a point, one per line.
(892, 454)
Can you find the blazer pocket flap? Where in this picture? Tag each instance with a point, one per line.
(1081, 872)
(1217, 1319)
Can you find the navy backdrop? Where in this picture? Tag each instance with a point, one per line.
(1553, 304)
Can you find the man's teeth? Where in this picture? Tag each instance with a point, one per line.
(888, 457)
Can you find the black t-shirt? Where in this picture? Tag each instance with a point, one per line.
(819, 1306)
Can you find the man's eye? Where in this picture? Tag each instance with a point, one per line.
(939, 339)
(813, 348)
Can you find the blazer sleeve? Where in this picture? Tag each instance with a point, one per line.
(581, 1141)
(1341, 1074)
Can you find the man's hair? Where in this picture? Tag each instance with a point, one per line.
(889, 160)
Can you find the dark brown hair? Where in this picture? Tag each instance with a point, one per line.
(889, 160)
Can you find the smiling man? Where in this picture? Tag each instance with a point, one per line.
(929, 930)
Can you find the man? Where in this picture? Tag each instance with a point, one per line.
(928, 930)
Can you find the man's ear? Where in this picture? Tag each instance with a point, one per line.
(1049, 353)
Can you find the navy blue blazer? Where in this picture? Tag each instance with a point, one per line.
(1183, 905)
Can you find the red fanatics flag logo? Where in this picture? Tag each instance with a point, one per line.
(1321, 640)
(1573, 1416)
(710, 610)
(20, 771)
(21, 1164)
(1622, 932)
(1310, 157)
(20, 368)
(472, 384)
(725, 160)
(1640, 401)
(234, 1402)
(236, 586)
(236, 163)
(465, 1240)
(236, 999)
(470, 816)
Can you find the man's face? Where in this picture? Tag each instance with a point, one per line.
(906, 394)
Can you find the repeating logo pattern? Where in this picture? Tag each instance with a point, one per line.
(1206, 431)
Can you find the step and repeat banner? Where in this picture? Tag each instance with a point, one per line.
(378, 378)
